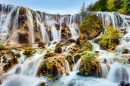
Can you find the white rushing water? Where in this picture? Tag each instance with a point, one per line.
(114, 64)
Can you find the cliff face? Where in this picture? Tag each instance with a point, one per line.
(21, 26)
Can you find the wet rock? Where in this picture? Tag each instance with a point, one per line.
(29, 51)
(76, 57)
(41, 44)
(91, 26)
(124, 83)
(107, 40)
(69, 58)
(51, 67)
(57, 26)
(42, 84)
(125, 51)
(48, 54)
(58, 48)
(23, 37)
(89, 65)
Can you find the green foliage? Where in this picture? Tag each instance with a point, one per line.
(86, 46)
(48, 54)
(2, 47)
(121, 6)
(89, 66)
(42, 84)
(91, 26)
(28, 51)
(110, 4)
(100, 5)
(110, 39)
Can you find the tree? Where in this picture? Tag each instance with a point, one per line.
(83, 10)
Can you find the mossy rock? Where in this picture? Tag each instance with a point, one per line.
(2, 47)
(29, 51)
(69, 58)
(91, 26)
(48, 54)
(110, 39)
(89, 65)
(42, 84)
(41, 44)
(51, 68)
(58, 48)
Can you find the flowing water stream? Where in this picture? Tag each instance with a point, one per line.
(25, 72)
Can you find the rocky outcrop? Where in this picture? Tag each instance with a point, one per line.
(91, 26)
(52, 67)
(107, 40)
(89, 65)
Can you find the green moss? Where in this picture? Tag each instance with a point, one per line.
(87, 46)
(49, 54)
(42, 84)
(2, 47)
(110, 39)
(91, 26)
(58, 48)
(69, 58)
(89, 66)
(29, 51)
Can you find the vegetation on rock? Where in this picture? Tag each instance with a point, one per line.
(89, 65)
(109, 39)
(120, 6)
(28, 51)
(91, 26)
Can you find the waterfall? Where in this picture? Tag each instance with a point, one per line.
(118, 73)
(77, 65)
(104, 70)
(30, 24)
(67, 66)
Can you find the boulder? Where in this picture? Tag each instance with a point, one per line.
(91, 26)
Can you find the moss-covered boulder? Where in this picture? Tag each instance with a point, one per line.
(110, 39)
(58, 48)
(91, 26)
(29, 51)
(8, 58)
(41, 44)
(2, 47)
(89, 65)
(48, 54)
(52, 67)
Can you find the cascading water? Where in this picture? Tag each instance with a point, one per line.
(24, 73)
(37, 27)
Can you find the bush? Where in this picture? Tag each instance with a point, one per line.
(110, 39)
(91, 26)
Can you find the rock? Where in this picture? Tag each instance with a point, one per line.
(91, 26)
(57, 26)
(107, 40)
(71, 40)
(63, 25)
(76, 57)
(125, 51)
(17, 55)
(29, 51)
(23, 37)
(124, 83)
(58, 48)
(41, 44)
(89, 65)
(42, 84)
(48, 54)
(51, 67)
(69, 58)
